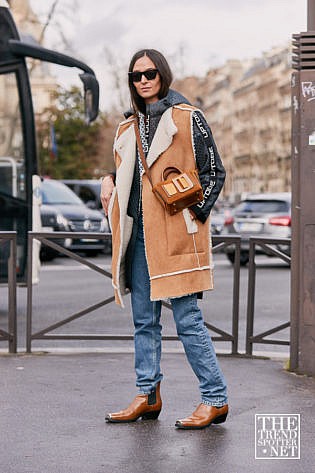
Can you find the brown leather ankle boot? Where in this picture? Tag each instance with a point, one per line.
(147, 406)
(203, 416)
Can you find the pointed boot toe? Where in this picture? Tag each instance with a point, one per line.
(203, 416)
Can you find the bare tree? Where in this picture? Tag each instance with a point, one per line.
(117, 72)
(50, 16)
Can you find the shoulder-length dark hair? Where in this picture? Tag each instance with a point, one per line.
(165, 73)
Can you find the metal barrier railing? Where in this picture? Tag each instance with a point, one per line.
(45, 238)
(268, 246)
(11, 335)
(220, 242)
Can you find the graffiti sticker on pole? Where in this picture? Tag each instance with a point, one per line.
(308, 90)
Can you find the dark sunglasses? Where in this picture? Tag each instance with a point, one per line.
(136, 76)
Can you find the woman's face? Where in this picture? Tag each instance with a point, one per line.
(147, 89)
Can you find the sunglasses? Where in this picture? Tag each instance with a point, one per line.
(136, 76)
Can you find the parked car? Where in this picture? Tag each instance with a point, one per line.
(219, 213)
(263, 215)
(53, 221)
(74, 215)
(88, 190)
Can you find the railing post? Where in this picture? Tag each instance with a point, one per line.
(236, 297)
(12, 328)
(29, 292)
(250, 297)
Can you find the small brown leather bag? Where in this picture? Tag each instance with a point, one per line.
(180, 191)
(175, 193)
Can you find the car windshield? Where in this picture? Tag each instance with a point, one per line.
(263, 206)
(57, 193)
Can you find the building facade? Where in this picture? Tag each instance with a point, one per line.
(248, 106)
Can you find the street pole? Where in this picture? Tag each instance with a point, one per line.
(302, 346)
(310, 15)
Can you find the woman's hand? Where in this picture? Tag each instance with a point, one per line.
(107, 188)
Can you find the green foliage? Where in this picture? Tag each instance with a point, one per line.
(78, 144)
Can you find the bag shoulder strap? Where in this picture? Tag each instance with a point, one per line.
(140, 149)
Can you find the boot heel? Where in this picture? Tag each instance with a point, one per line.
(220, 419)
(151, 415)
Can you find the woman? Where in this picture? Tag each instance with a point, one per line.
(157, 255)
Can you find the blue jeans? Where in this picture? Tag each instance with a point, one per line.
(190, 329)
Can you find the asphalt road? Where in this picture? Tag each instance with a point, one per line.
(67, 287)
(53, 406)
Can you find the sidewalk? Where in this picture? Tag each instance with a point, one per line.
(53, 406)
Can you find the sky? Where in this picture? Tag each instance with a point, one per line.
(194, 35)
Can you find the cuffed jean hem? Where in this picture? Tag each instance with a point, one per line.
(213, 403)
(149, 389)
(145, 392)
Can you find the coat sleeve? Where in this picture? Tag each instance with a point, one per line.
(210, 168)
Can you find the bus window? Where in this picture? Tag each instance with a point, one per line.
(12, 164)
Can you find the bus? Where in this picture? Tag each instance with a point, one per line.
(18, 157)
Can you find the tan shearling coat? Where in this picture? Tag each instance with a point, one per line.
(178, 249)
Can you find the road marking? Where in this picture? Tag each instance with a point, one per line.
(273, 355)
(217, 263)
(82, 267)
